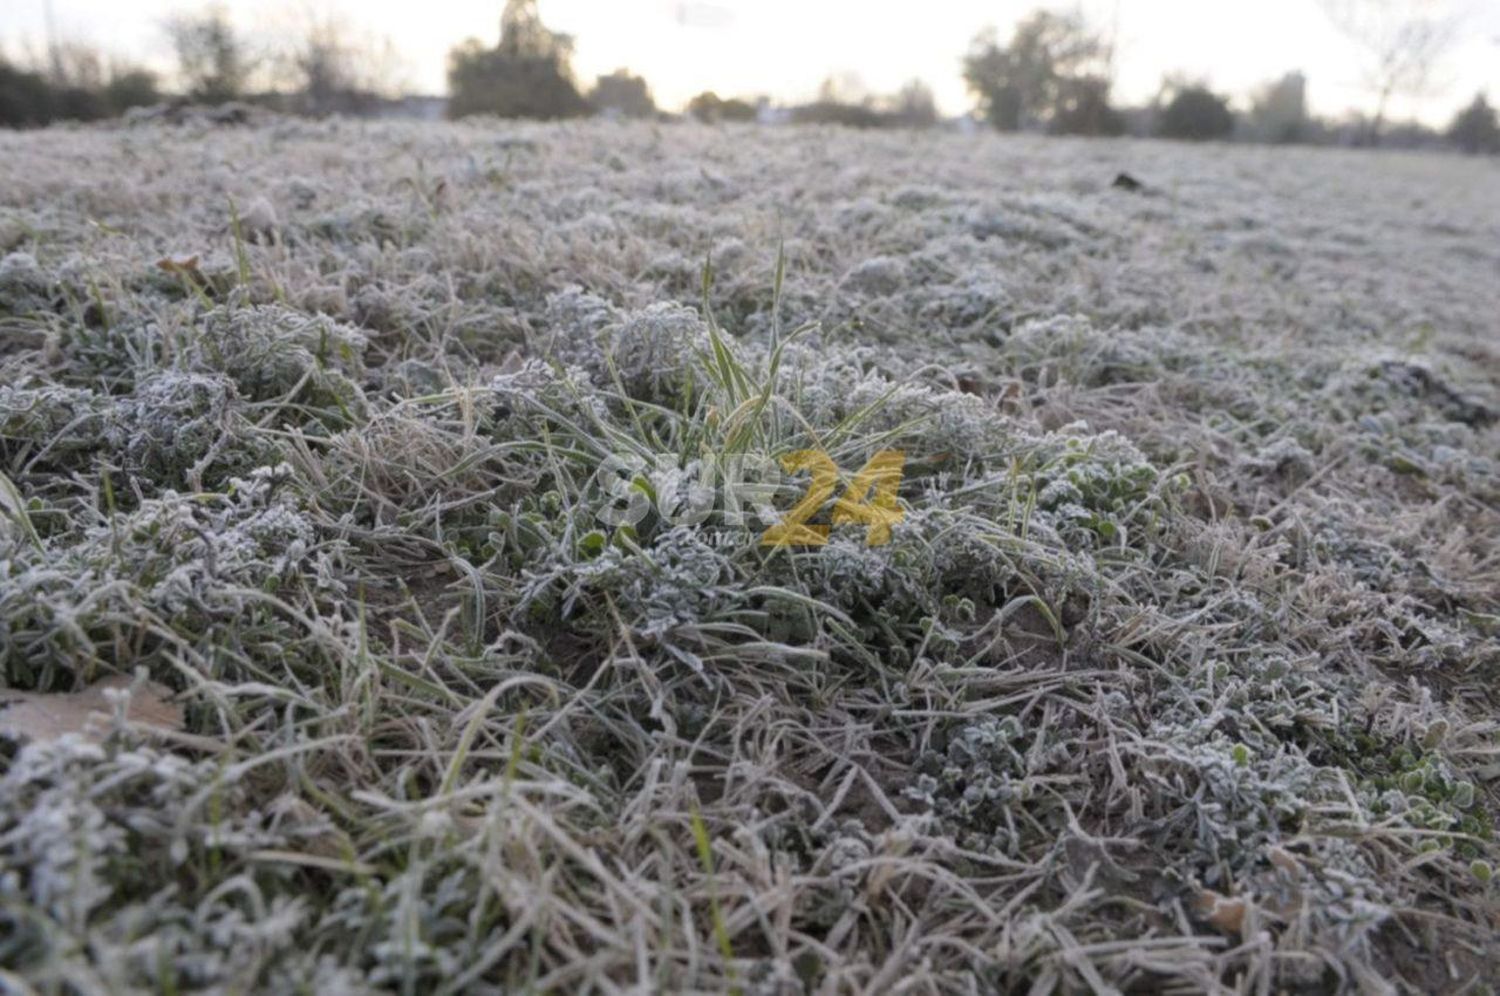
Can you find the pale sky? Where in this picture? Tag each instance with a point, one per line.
(783, 48)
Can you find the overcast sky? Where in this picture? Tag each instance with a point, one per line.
(785, 47)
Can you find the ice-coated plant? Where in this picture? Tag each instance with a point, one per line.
(173, 425)
(577, 327)
(650, 351)
(23, 283)
(978, 783)
(273, 353)
(50, 418)
(190, 563)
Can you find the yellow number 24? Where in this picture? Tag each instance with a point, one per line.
(870, 498)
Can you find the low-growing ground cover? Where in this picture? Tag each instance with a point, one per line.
(1177, 669)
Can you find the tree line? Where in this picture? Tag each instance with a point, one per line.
(318, 66)
(1053, 74)
(76, 84)
(529, 74)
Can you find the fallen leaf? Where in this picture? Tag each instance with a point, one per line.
(1010, 398)
(1221, 911)
(178, 264)
(45, 717)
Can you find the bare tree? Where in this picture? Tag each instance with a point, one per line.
(213, 59)
(73, 63)
(844, 87)
(1020, 85)
(331, 67)
(913, 106)
(1403, 41)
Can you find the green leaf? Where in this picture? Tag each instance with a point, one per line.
(14, 505)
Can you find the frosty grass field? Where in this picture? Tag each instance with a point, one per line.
(1178, 671)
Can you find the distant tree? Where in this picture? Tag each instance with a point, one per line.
(833, 112)
(88, 85)
(26, 99)
(1403, 41)
(1278, 112)
(128, 87)
(1475, 129)
(78, 84)
(529, 75)
(842, 99)
(322, 65)
(622, 93)
(1020, 85)
(76, 75)
(76, 103)
(843, 88)
(1194, 112)
(523, 35)
(213, 60)
(329, 67)
(710, 108)
(1083, 108)
(74, 64)
(913, 106)
(1410, 135)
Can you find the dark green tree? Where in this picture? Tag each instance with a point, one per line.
(622, 93)
(26, 100)
(709, 107)
(528, 75)
(1194, 112)
(129, 88)
(1022, 84)
(1475, 129)
(1083, 108)
(78, 87)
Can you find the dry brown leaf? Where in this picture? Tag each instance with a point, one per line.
(178, 264)
(1223, 912)
(43, 717)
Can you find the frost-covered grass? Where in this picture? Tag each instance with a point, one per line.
(1179, 670)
